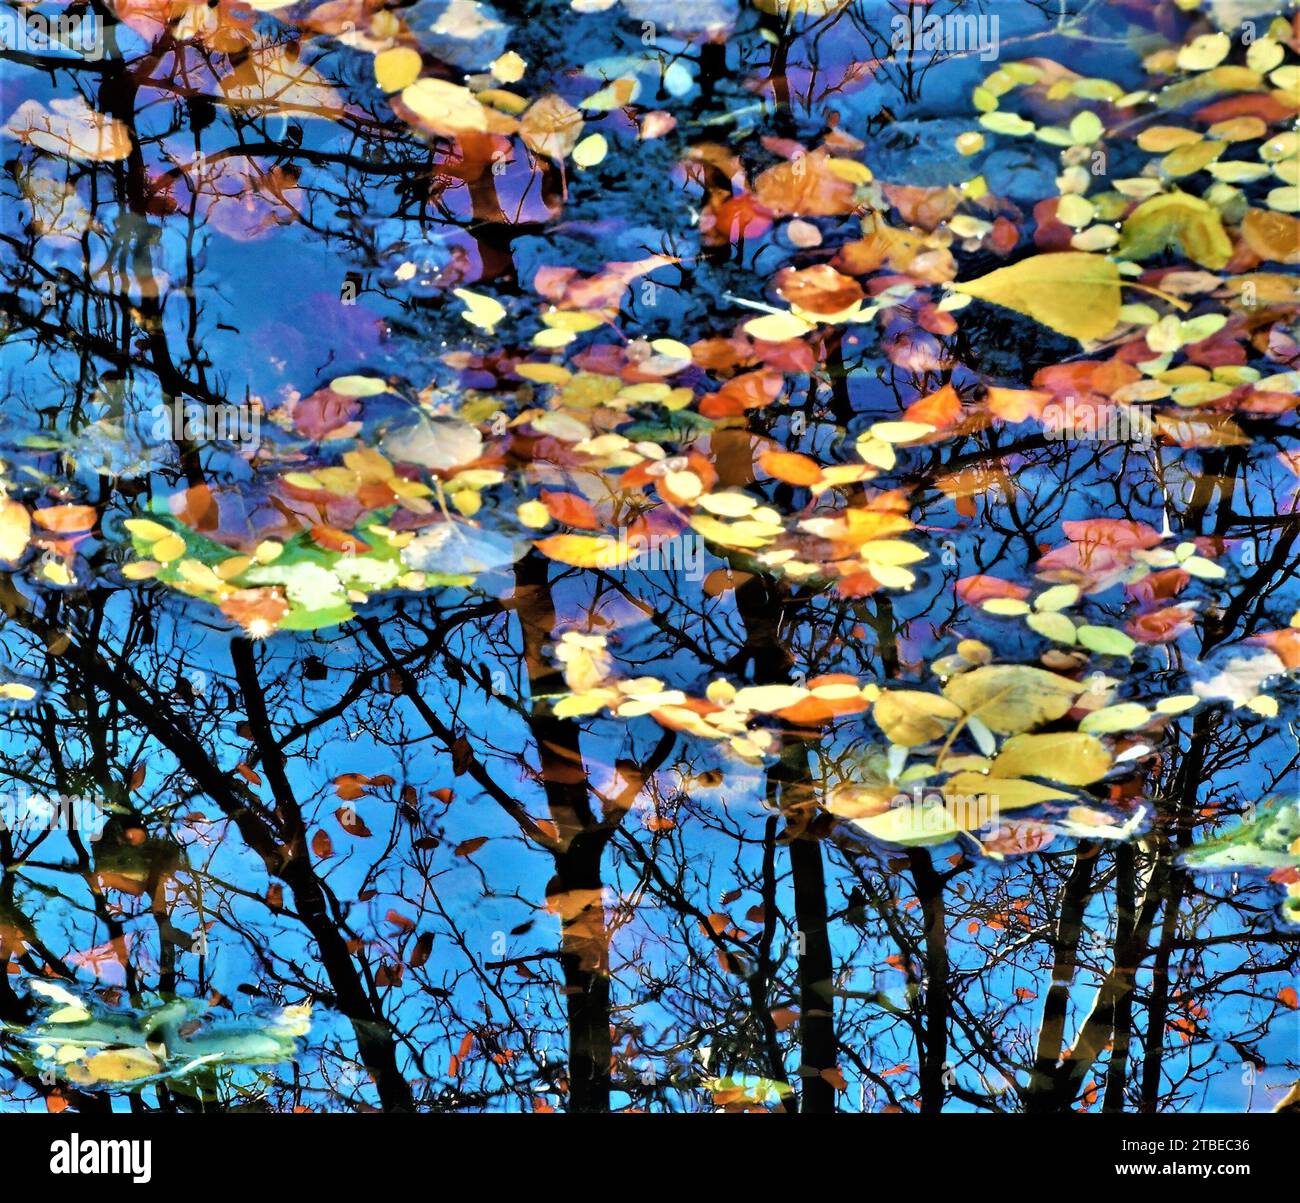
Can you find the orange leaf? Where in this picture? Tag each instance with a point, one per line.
(423, 947)
(333, 539)
(350, 786)
(1016, 404)
(975, 589)
(351, 822)
(571, 509)
(64, 519)
(584, 551)
(835, 1077)
(791, 467)
(939, 409)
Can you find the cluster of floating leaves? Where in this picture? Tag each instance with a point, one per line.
(588, 442)
(89, 1042)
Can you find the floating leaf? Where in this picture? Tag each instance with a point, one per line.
(1179, 222)
(909, 717)
(1010, 698)
(1070, 757)
(481, 311)
(585, 551)
(1075, 293)
(1124, 716)
(16, 529)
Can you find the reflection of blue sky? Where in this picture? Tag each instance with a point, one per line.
(272, 320)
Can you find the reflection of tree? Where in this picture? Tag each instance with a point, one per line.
(665, 931)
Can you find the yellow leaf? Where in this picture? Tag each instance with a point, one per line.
(481, 311)
(591, 150)
(1179, 221)
(1160, 139)
(911, 825)
(169, 549)
(992, 794)
(909, 717)
(850, 170)
(891, 551)
(1069, 757)
(1007, 607)
(1075, 293)
(1124, 716)
(584, 551)
(552, 127)
(533, 514)
(1010, 698)
(198, 574)
(358, 386)
(122, 1065)
(397, 68)
(1204, 52)
(445, 107)
(15, 529)
(147, 529)
(1187, 160)
(900, 432)
(508, 68)
(614, 95)
(767, 698)
(777, 327)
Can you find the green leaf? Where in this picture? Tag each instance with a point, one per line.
(1124, 716)
(1106, 641)
(1270, 841)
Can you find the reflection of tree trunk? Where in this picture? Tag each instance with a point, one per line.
(816, 975)
(760, 981)
(575, 892)
(790, 786)
(1125, 931)
(1043, 1081)
(491, 228)
(1158, 1008)
(929, 889)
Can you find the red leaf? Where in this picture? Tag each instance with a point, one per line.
(352, 823)
(571, 509)
(423, 947)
